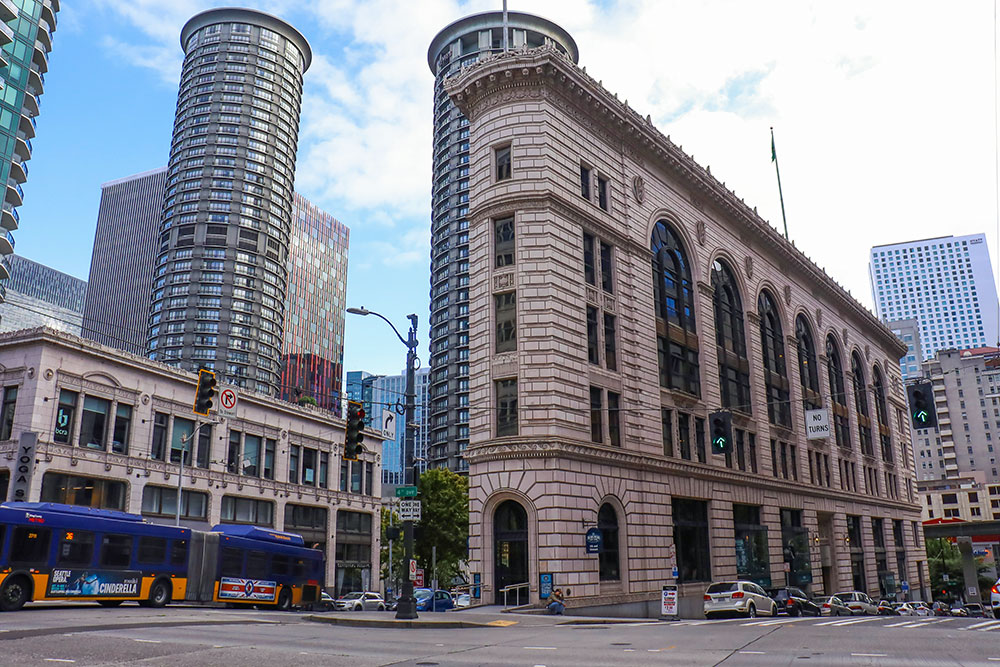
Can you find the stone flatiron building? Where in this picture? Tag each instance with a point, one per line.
(618, 295)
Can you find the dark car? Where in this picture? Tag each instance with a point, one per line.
(793, 601)
(885, 608)
(428, 600)
(941, 609)
(975, 610)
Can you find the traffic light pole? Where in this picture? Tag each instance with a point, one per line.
(406, 608)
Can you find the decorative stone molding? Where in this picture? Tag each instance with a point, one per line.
(753, 317)
(706, 289)
(788, 295)
(503, 281)
(638, 188)
(592, 295)
(700, 232)
(748, 265)
(819, 318)
(505, 365)
(610, 304)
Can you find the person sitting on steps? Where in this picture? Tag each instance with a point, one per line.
(557, 603)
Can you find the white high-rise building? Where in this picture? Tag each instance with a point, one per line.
(945, 283)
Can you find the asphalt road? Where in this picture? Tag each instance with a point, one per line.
(190, 636)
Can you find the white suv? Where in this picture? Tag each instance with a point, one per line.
(995, 599)
(738, 597)
(860, 603)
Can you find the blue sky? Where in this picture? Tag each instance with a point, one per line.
(884, 117)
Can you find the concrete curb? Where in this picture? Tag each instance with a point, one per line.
(393, 623)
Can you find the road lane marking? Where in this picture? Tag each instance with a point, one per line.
(779, 621)
(754, 652)
(539, 648)
(852, 622)
(979, 625)
(147, 641)
(896, 625)
(58, 660)
(994, 659)
(870, 655)
(994, 626)
(503, 624)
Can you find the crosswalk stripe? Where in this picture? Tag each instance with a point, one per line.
(901, 624)
(778, 621)
(981, 624)
(994, 626)
(851, 622)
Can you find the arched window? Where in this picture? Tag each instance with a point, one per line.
(773, 349)
(838, 394)
(885, 442)
(676, 337)
(730, 340)
(808, 367)
(607, 523)
(861, 405)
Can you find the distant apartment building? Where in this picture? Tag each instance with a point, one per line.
(967, 400)
(908, 331)
(389, 393)
(26, 29)
(41, 296)
(312, 352)
(968, 497)
(359, 387)
(946, 284)
(123, 262)
(123, 271)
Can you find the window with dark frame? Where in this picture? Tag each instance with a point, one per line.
(504, 241)
(610, 348)
(861, 405)
(608, 566)
(607, 272)
(593, 342)
(614, 423)
(603, 199)
(838, 395)
(65, 413)
(503, 162)
(506, 401)
(589, 267)
(881, 411)
(505, 309)
(7, 412)
(233, 452)
(585, 175)
(730, 340)
(666, 422)
(673, 297)
(808, 365)
(773, 352)
(596, 407)
(691, 540)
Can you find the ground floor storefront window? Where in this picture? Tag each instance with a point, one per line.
(85, 491)
(752, 562)
(4, 483)
(691, 540)
(352, 560)
(858, 578)
(795, 548)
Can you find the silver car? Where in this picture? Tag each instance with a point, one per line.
(859, 603)
(360, 602)
(738, 597)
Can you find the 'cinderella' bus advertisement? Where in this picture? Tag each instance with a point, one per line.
(94, 583)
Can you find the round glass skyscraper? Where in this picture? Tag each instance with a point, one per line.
(221, 272)
(459, 45)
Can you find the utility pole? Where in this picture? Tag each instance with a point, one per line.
(406, 608)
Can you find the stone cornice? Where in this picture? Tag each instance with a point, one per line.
(545, 66)
(519, 449)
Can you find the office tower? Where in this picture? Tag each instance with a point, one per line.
(459, 45)
(122, 263)
(227, 209)
(313, 349)
(944, 283)
(387, 393)
(645, 355)
(40, 296)
(908, 331)
(358, 388)
(967, 401)
(26, 37)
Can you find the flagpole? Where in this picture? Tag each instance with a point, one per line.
(774, 159)
(505, 47)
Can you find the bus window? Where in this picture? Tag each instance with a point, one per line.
(279, 565)
(256, 565)
(116, 551)
(30, 545)
(179, 552)
(232, 562)
(300, 567)
(76, 548)
(152, 549)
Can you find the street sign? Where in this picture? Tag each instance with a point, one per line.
(413, 569)
(409, 510)
(668, 601)
(418, 578)
(544, 585)
(817, 424)
(406, 492)
(904, 586)
(388, 425)
(593, 540)
(227, 402)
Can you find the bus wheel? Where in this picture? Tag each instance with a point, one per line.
(109, 603)
(284, 600)
(159, 595)
(15, 593)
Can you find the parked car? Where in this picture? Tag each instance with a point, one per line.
(831, 605)
(886, 608)
(904, 609)
(995, 599)
(738, 597)
(975, 610)
(463, 600)
(428, 600)
(940, 609)
(360, 602)
(859, 603)
(326, 602)
(921, 607)
(958, 610)
(793, 601)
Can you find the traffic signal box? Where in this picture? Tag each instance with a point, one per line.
(354, 435)
(721, 428)
(922, 411)
(205, 392)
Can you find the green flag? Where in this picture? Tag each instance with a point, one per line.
(774, 153)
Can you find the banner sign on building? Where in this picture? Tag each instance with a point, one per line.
(94, 583)
(24, 466)
(817, 424)
(668, 601)
(545, 585)
(594, 539)
(233, 588)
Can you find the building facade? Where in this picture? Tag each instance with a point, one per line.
(619, 294)
(41, 296)
(123, 260)
(908, 331)
(26, 28)
(389, 393)
(111, 427)
(312, 353)
(457, 46)
(967, 401)
(945, 283)
(227, 210)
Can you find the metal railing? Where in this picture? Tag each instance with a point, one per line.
(513, 587)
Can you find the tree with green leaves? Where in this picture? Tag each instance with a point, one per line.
(944, 558)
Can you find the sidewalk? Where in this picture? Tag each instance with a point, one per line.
(485, 617)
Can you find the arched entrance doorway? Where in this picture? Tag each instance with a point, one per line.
(510, 551)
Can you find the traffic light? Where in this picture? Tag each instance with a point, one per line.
(354, 435)
(721, 429)
(205, 392)
(921, 398)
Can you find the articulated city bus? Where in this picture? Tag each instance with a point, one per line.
(50, 551)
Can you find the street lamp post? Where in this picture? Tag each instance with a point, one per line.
(406, 607)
